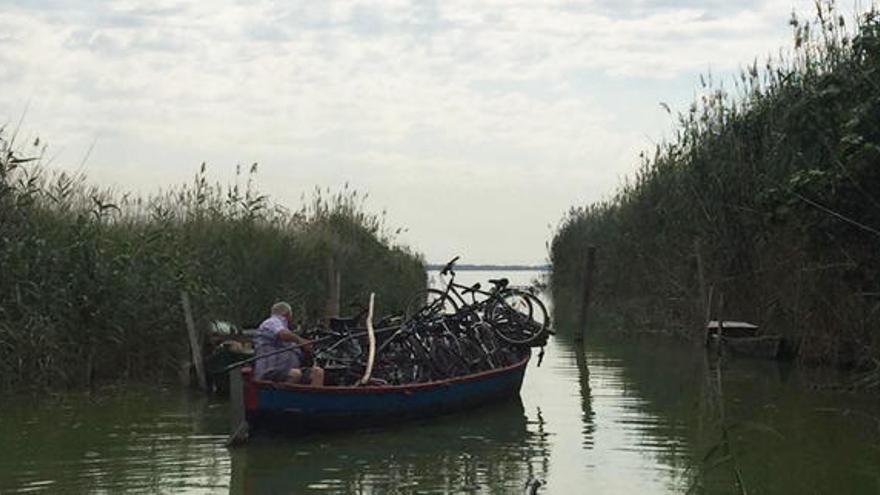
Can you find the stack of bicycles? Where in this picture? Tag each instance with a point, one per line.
(443, 333)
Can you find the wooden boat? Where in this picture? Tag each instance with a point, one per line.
(742, 338)
(287, 408)
(733, 329)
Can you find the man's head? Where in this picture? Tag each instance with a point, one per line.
(283, 310)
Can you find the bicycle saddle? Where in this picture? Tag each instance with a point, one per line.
(499, 282)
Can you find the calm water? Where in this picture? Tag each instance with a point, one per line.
(608, 417)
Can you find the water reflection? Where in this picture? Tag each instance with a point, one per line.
(606, 416)
(490, 450)
(136, 440)
(589, 425)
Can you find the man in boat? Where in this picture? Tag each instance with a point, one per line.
(274, 334)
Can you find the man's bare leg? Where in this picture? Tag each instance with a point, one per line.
(294, 376)
(317, 376)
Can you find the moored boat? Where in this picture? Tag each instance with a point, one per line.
(742, 338)
(286, 408)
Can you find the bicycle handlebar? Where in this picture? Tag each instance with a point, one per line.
(448, 268)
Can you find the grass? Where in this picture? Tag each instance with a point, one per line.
(775, 183)
(90, 279)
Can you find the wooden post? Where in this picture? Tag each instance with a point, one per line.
(334, 288)
(720, 316)
(239, 426)
(701, 279)
(589, 270)
(705, 303)
(195, 344)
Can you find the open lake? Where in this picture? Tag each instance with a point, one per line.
(609, 416)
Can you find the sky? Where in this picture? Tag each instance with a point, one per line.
(475, 125)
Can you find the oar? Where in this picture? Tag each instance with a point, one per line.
(297, 346)
(371, 336)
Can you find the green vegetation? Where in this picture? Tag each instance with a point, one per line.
(777, 186)
(90, 279)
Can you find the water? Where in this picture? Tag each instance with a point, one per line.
(621, 416)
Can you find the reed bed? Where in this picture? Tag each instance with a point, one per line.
(774, 184)
(90, 279)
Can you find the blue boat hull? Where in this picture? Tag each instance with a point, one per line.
(298, 408)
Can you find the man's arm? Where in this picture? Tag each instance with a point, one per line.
(288, 336)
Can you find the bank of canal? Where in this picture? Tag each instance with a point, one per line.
(619, 416)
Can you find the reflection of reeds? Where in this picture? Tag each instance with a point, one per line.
(726, 457)
(777, 182)
(90, 278)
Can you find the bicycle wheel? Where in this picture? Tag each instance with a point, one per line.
(518, 317)
(483, 335)
(540, 316)
(429, 303)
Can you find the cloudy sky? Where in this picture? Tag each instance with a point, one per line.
(475, 124)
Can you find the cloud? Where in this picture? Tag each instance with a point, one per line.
(545, 102)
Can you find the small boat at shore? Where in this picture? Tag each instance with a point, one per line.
(741, 338)
(763, 347)
(293, 409)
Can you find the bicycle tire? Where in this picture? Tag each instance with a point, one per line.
(429, 303)
(523, 323)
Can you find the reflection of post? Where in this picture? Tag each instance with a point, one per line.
(238, 482)
(586, 396)
(589, 270)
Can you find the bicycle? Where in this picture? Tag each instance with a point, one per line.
(517, 316)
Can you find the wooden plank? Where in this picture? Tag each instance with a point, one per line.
(195, 344)
(729, 325)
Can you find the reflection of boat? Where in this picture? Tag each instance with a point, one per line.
(293, 408)
(766, 347)
(494, 449)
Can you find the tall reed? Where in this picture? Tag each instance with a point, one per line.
(775, 184)
(90, 279)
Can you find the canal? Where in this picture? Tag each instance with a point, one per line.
(608, 416)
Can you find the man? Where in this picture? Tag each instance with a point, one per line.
(272, 335)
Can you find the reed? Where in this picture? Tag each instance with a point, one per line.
(90, 278)
(776, 181)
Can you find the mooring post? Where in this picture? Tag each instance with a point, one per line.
(720, 316)
(195, 346)
(705, 305)
(334, 288)
(238, 427)
(589, 270)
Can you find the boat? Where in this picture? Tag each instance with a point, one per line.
(732, 329)
(742, 338)
(287, 408)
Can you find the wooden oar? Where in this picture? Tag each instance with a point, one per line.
(371, 336)
(297, 346)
